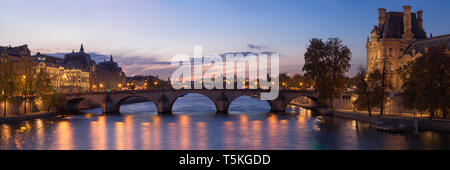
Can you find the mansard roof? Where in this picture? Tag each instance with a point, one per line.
(78, 59)
(20, 51)
(421, 45)
(109, 66)
(393, 27)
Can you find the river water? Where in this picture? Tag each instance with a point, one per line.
(194, 125)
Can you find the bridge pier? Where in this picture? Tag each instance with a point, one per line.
(163, 105)
(277, 106)
(109, 106)
(222, 104)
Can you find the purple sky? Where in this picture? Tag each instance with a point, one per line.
(144, 35)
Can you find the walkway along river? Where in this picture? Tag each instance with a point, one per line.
(195, 125)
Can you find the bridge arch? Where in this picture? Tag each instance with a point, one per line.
(73, 105)
(250, 101)
(304, 101)
(181, 96)
(123, 100)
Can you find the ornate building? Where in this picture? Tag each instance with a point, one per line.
(19, 53)
(398, 38)
(104, 76)
(108, 75)
(66, 80)
(79, 60)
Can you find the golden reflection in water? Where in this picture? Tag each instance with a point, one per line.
(431, 140)
(349, 136)
(273, 131)
(185, 126)
(301, 128)
(64, 136)
(120, 135)
(40, 133)
(129, 132)
(173, 136)
(202, 139)
(5, 135)
(145, 132)
(243, 129)
(256, 135)
(98, 134)
(156, 129)
(395, 142)
(283, 132)
(228, 128)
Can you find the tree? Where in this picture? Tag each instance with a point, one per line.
(363, 92)
(372, 90)
(43, 88)
(327, 63)
(27, 74)
(426, 82)
(8, 81)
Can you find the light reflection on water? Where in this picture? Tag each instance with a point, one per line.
(139, 127)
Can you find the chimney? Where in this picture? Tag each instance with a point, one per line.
(381, 16)
(419, 15)
(407, 28)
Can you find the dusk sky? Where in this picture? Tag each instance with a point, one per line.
(144, 35)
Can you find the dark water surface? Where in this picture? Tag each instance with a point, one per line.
(195, 125)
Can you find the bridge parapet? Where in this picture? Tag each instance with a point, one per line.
(164, 99)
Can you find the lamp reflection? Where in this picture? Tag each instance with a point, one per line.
(202, 139)
(272, 127)
(185, 127)
(120, 135)
(228, 128)
(129, 132)
(98, 134)
(243, 129)
(156, 142)
(256, 135)
(40, 133)
(64, 136)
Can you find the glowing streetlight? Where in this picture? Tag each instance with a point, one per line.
(101, 85)
(156, 83)
(119, 85)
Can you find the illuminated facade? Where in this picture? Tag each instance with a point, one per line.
(66, 80)
(398, 38)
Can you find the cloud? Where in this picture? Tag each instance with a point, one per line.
(256, 47)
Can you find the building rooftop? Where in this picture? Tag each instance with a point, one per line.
(393, 27)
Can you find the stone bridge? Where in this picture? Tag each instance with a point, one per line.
(110, 102)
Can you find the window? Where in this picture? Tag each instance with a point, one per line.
(390, 52)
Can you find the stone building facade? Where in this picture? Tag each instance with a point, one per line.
(104, 76)
(66, 80)
(19, 53)
(109, 76)
(398, 38)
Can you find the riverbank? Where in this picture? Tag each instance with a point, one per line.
(28, 116)
(423, 124)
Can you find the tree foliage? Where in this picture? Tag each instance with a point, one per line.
(426, 82)
(327, 64)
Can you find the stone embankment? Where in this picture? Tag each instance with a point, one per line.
(398, 124)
